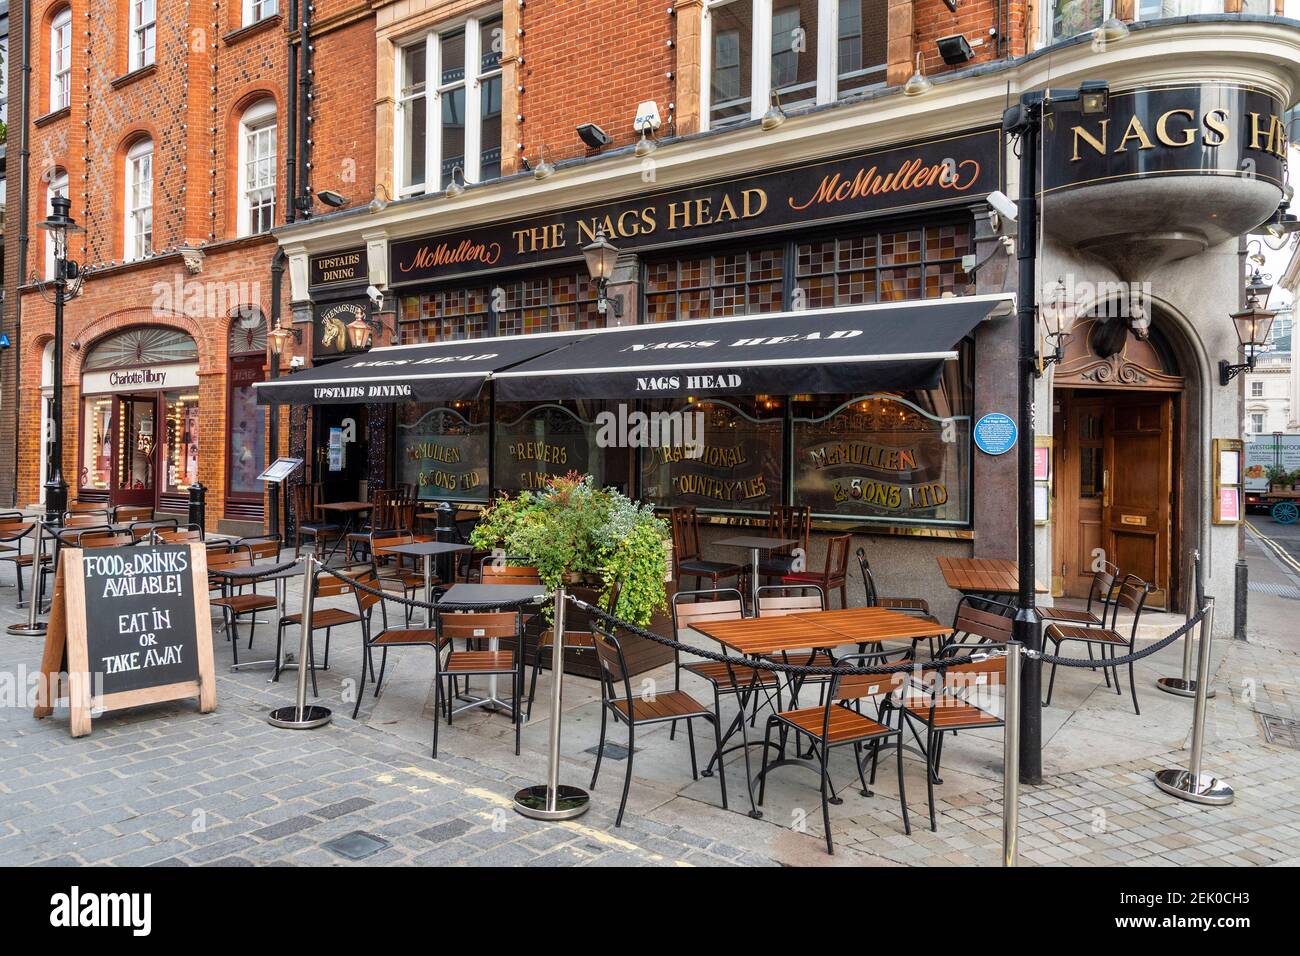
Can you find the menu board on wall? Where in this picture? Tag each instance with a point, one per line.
(535, 443)
(736, 466)
(880, 457)
(443, 451)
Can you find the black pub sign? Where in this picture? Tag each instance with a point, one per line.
(330, 322)
(1206, 129)
(954, 168)
(339, 268)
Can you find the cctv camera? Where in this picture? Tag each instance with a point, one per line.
(376, 296)
(297, 362)
(1001, 204)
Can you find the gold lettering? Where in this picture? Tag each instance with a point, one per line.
(1099, 144)
(1216, 121)
(1162, 129)
(1138, 132)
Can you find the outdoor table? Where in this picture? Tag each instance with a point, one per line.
(990, 576)
(488, 595)
(280, 579)
(874, 625)
(425, 550)
(755, 543)
(349, 510)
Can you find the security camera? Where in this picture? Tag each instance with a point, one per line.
(376, 297)
(297, 362)
(1002, 213)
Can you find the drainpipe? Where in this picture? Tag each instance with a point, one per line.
(1241, 572)
(24, 237)
(273, 411)
(291, 125)
(304, 107)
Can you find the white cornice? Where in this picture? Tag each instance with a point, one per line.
(1263, 53)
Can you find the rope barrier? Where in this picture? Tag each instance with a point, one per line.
(1116, 661)
(437, 606)
(255, 574)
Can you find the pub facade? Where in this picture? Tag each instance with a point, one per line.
(850, 229)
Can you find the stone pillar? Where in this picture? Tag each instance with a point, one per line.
(902, 41)
(690, 58)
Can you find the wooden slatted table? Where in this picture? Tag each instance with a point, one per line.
(756, 636)
(872, 625)
(983, 576)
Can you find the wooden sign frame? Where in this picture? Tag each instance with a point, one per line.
(65, 664)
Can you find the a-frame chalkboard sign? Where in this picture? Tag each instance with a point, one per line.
(128, 626)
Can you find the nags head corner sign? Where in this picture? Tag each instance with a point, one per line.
(1216, 129)
(942, 170)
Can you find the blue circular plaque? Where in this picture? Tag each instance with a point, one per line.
(995, 434)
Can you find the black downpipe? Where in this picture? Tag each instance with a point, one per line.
(24, 236)
(304, 108)
(273, 411)
(291, 124)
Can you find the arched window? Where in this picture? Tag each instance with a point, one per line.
(255, 10)
(138, 203)
(256, 168)
(61, 60)
(58, 186)
(246, 420)
(143, 17)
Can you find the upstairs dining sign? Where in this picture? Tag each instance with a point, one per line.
(960, 167)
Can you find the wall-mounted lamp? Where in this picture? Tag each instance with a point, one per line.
(456, 189)
(332, 199)
(918, 82)
(1252, 325)
(955, 49)
(543, 169)
(774, 116)
(281, 340)
(1058, 314)
(602, 257)
(363, 329)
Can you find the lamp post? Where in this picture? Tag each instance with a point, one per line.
(1025, 122)
(60, 225)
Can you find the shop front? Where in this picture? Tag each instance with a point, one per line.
(140, 420)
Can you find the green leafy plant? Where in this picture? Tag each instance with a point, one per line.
(573, 529)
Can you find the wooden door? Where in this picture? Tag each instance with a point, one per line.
(1079, 470)
(1136, 505)
(135, 445)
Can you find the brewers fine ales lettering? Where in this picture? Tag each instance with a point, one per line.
(140, 622)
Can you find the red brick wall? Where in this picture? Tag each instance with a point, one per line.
(342, 151)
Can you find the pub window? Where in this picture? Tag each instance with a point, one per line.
(704, 286)
(560, 302)
(857, 269)
(804, 51)
(890, 458)
(449, 105)
(1160, 9)
(442, 450)
(725, 454)
(1067, 18)
(536, 442)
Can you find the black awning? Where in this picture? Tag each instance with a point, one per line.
(894, 345)
(436, 372)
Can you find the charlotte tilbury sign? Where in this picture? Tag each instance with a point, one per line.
(143, 378)
(954, 168)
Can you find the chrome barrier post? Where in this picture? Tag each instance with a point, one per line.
(1011, 758)
(1191, 784)
(554, 800)
(33, 627)
(1184, 686)
(303, 716)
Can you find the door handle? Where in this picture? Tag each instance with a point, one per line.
(1105, 488)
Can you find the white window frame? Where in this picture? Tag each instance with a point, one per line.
(58, 186)
(137, 206)
(258, 131)
(144, 33)
(1256, 389)
(431, 50)
(1257, 422)
(760, 44)
(255, 11)
(61, 60)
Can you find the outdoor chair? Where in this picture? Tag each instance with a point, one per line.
(98, 518)
(916, 607)
(688, 561)
(144, 530)
(786, 521)
(391, 571)
(324, 585)
(839, 722)
(507, 574)
(1101, 595)
(952, 698)
(384, 637)
(179, 535)
(105, 539)
(12, 532)
(778, 600)
(1132, 596)
(472, 628)
(96, 507)
(125, 514)
(980, 620)
(236, 602)
(834, 575)
(308, 521)
(575, 638)
(377, 519)
(616, 698)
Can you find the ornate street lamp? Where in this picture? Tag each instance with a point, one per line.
(59, 224)
(602, 258)
(281, 340)
(1058, 314)
(1252, 324)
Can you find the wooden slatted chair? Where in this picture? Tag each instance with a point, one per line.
(575, 638)
(309, 522)
(239, 599)
(382, 636)
(13, 529)
(953, 698)
(324, 585)
(125, 514)
(392, 570)
(1132, 596)
(637, 712)
(180, 535)
(491, 573)
(105, 539)
(786, 521)
(778, 600)
(916, 607)
(690, 608)
(689, 561)
(144, 530)
(834, 575)
(1101, 595)
(839, 722)
(981, 620)
(474, 628)
(98, 518)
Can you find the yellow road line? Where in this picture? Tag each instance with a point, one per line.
(496, 799)
(1274, 548)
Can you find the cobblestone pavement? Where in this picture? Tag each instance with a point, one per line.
(165, 785)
